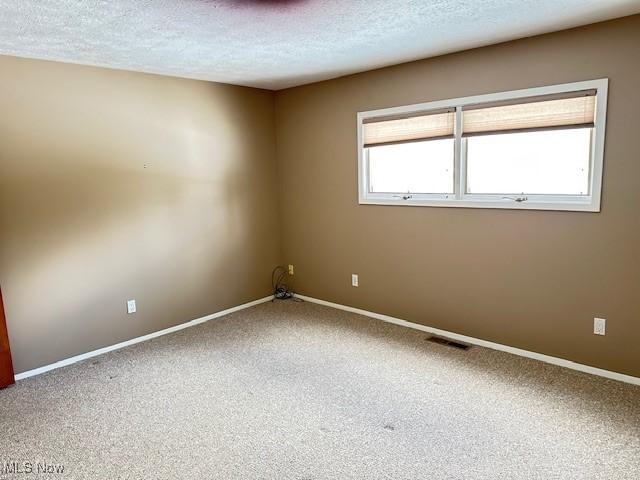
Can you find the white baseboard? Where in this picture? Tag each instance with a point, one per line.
(378, 316)
(483, 343)
(133, 341)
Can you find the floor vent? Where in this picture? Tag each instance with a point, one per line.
(448, 343)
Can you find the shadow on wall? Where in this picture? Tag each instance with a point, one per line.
(116, 185)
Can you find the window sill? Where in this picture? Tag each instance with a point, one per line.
(578, 205)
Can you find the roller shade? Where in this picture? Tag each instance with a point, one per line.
(575, 110)
(403, 129)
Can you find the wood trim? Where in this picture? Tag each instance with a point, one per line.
(621, 377)
(144, 338)
(6, 365)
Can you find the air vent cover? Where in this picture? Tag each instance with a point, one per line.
(448, 343)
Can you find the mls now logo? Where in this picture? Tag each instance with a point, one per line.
(14, 468)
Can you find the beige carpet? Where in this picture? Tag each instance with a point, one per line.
(298, 391)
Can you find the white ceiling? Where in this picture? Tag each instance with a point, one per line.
(276, 44)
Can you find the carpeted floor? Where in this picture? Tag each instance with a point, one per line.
(299, 391)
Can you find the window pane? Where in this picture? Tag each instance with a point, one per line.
(420, 167)
(547, 162)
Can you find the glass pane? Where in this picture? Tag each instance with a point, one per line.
(548, 162)
(419, 167)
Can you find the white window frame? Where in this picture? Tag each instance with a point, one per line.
(583, 203)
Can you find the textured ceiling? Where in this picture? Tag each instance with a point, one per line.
(276, 43)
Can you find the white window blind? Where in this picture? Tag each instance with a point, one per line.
(402, 129)
(539, 113)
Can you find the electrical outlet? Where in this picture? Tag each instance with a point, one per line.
(354, 279)
(131, 306)
(599, 325)
(290, 269)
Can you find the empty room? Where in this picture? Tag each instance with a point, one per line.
(320, 239)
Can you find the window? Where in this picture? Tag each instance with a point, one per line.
(418, 167)
(540, 148)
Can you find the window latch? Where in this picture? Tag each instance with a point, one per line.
(404, 197)
(517, 199)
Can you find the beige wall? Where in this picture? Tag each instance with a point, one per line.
(530, 279)
(84, 226)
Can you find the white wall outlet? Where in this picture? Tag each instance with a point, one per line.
(131, 306)
(290, 269)
(599, 325)
(354, 279)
